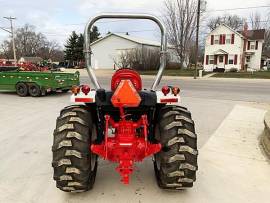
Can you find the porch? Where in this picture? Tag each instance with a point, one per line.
(218, 59)
(221, 59)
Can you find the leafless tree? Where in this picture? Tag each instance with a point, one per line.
(6, 50)
(180, 19)
(139, 59)
(50, 50)
(257, 22)
(233, 21)
(123, 59)
(28, 42)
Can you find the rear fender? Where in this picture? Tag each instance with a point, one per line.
(82, 98)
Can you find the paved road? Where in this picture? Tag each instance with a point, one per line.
(209, 100)
(211, 88)
(26, 137)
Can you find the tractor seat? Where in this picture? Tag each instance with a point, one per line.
(126, 74)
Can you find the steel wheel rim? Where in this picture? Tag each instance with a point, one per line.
(21, 89)
(34, 90)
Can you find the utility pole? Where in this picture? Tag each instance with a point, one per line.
(201, 7)
(197, 38)
(11, 31)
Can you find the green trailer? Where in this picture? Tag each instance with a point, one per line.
(37, 83)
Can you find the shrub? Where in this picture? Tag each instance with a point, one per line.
(139, 59)
(219, 70)
(233, 70)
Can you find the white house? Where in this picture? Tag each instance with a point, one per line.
(266, 61)
(108, 48)
(227, 48)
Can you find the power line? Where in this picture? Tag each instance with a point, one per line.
(11, 31)
(148, 30)
(102, 22)
(240, 8)
(128, 31)
(227, 9)
(136, 31)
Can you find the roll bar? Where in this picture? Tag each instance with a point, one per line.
(87, 44)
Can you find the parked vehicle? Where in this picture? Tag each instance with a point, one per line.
(124, 125)
(37, 83)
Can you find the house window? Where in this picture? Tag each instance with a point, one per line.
(221, 59)
(228, 39)
(211, 59)
(231, 57)
(252, 45)
(248, 59)
(216, 39)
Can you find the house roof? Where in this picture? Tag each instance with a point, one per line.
(240, 34)
(31, 59)
(220, 51)
(254, 34)
(228, 28)
(131, 38)
(251, 34)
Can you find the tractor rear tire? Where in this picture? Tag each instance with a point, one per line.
(75, 166)
(176, 164)
(34, 90)
(22, 89)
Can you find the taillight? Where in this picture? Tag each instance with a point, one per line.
(85, 89)
(175, 91)
(75, 90)
(165, 90)
(169, 100)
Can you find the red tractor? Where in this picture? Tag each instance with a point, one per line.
(124, 125)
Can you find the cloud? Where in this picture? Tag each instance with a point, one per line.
(85, 6)
(55, 17)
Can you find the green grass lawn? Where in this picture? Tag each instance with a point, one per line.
(256, 74)
(171, 72)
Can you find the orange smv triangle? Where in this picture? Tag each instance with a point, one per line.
(126, 95)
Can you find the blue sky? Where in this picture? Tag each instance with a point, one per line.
(57, 18)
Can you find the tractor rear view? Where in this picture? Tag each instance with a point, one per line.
(124, 125)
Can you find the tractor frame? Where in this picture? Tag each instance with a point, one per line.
(124, 125)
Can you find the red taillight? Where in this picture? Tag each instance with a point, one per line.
(175, 91)
(165, 90)
(85, 100)
(169, 100)
(75, 90)
(85, 89)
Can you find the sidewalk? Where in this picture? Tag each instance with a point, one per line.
(233, 167)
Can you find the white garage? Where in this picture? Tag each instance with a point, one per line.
(106, 49)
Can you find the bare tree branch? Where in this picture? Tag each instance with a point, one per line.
(257, 22)
(30, 43)
(180, 20)
(139, 59)
(233, 21)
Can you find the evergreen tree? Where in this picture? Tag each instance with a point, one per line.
(94, 34)
(79, 47)
(75, 45)
(70, 51)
